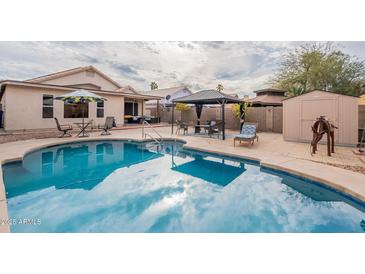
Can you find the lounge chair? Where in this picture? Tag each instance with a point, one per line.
(107, 126)
(64, 129)
(248, 134)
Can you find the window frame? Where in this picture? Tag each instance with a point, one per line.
(47, 106)
(101, 108)
(134, 108)
(86, 114)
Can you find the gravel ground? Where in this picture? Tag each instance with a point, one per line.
(359, 169)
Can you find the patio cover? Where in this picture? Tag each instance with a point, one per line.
(204, 97)
(209, 96)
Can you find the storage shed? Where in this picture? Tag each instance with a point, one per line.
(300, 112)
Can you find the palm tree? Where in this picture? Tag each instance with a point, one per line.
(220, 87)
(153, 85)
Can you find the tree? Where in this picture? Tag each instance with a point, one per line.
(153, 85)
(320, 66)
(220, 87)
(295, 91)
(236, 109)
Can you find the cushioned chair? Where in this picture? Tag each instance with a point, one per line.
(248, 134)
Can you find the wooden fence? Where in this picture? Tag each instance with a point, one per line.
(362, 116)
(268, 118)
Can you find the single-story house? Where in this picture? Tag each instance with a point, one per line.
(159, 108)
(168, 95)
(268, 97)
(299, 113)
(30, 104)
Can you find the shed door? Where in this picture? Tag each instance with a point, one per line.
(312, 109)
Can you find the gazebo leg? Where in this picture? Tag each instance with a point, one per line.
(223, 122)
(172, 119)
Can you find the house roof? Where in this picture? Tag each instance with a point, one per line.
(270, 90)
(234, 95)
(127, 91)
(68, 88)
(166, 91)
(71, 71)
(267, 99)
(209, 96)
(328, 91)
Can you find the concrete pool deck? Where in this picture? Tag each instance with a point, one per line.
(271, 151)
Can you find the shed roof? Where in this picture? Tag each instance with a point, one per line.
(327, 91)
(209, 96)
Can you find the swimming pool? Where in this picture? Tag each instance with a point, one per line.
(125, 186)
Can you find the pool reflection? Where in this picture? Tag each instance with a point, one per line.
(72, 166)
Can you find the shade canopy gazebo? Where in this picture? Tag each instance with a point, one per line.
(206, 97)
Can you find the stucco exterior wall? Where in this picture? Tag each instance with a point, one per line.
(23, 109)
(82, 78)
(300, 112)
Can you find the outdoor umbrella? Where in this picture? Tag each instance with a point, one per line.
(80, 96)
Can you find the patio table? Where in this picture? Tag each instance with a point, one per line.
(82, 127)
(199, 127)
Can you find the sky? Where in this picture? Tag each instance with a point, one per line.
(241, 67)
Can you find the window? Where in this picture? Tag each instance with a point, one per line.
(100, 109)
(47, 106)
(78, 110)
(131, 109)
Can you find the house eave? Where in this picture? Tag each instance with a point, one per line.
(67, 88)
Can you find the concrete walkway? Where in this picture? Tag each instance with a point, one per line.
(271, 151)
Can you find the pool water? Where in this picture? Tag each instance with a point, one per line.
(120, 186)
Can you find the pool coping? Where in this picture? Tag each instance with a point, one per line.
(280, 164)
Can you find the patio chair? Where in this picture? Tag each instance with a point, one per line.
(215, 127)
(92, 125)
(64, 129)
(109, 121)
(182, 126)
(248, 134)
(209, 123)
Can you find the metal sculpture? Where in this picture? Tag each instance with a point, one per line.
(320, 127)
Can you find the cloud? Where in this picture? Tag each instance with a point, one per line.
(241, 67)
